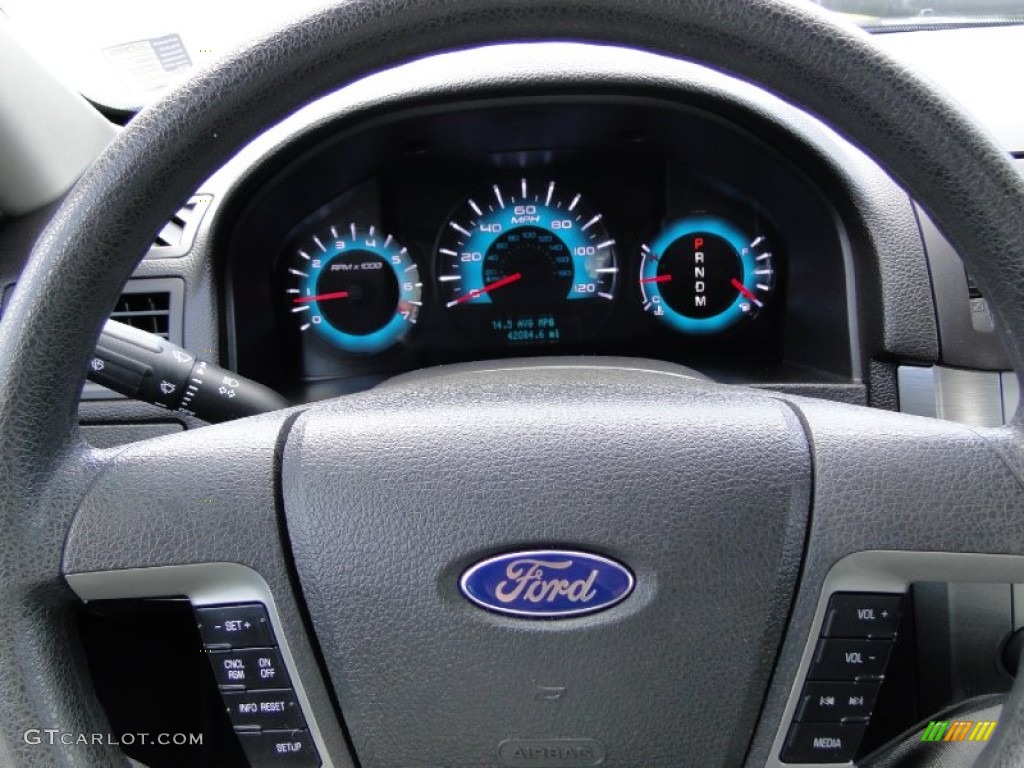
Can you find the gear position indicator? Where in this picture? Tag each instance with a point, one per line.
(702, 275)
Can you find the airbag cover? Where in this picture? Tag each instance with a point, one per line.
(702, 492)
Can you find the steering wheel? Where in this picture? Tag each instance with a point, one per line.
(366, 509)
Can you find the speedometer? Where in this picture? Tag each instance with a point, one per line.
(525, 262)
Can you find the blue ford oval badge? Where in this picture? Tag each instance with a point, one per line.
(547, 583)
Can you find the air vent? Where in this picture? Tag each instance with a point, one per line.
(147, 311)
(154, 304)
(178, 234)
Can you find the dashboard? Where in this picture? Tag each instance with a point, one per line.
(558, 215)
(544, 226)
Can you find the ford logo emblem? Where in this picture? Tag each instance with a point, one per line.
(547, 583)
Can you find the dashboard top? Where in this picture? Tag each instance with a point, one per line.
(873, 299)
(972, 65)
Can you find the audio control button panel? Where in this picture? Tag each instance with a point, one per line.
(844, 678)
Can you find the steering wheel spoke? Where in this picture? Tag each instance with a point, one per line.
(897, 500)
(201, 496)
(891, 481)
(196, 514)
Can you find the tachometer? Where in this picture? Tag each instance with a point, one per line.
(526, 262)
(703, 275)
(357, 289)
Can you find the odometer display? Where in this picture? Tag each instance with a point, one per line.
(523, 263)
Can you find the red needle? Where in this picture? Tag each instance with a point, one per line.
(745, 291)
(487, 289)
(658, 279)
(321, 297)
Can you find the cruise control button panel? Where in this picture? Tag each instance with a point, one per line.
(249, 668)
(844, 678)
(235, 626)
(255, 686)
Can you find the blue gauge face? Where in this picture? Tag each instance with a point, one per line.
(703, 275)
(356, 289)
(527, 262)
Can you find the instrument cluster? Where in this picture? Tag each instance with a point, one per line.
(538, 226)
(434, 261)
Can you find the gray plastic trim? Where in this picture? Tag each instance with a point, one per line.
(1017, 604)
(916, 386)
(966, 327)
(200, 203)
(978, 398)
(204, 584)
(1011, 393)
(969, 397)
(889, 571)
(857, 372)
(49, 134)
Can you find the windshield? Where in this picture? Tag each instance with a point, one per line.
(123, 54)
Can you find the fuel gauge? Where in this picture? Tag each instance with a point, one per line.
(703, 275)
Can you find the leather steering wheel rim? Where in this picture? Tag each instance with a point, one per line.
(104, 225)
